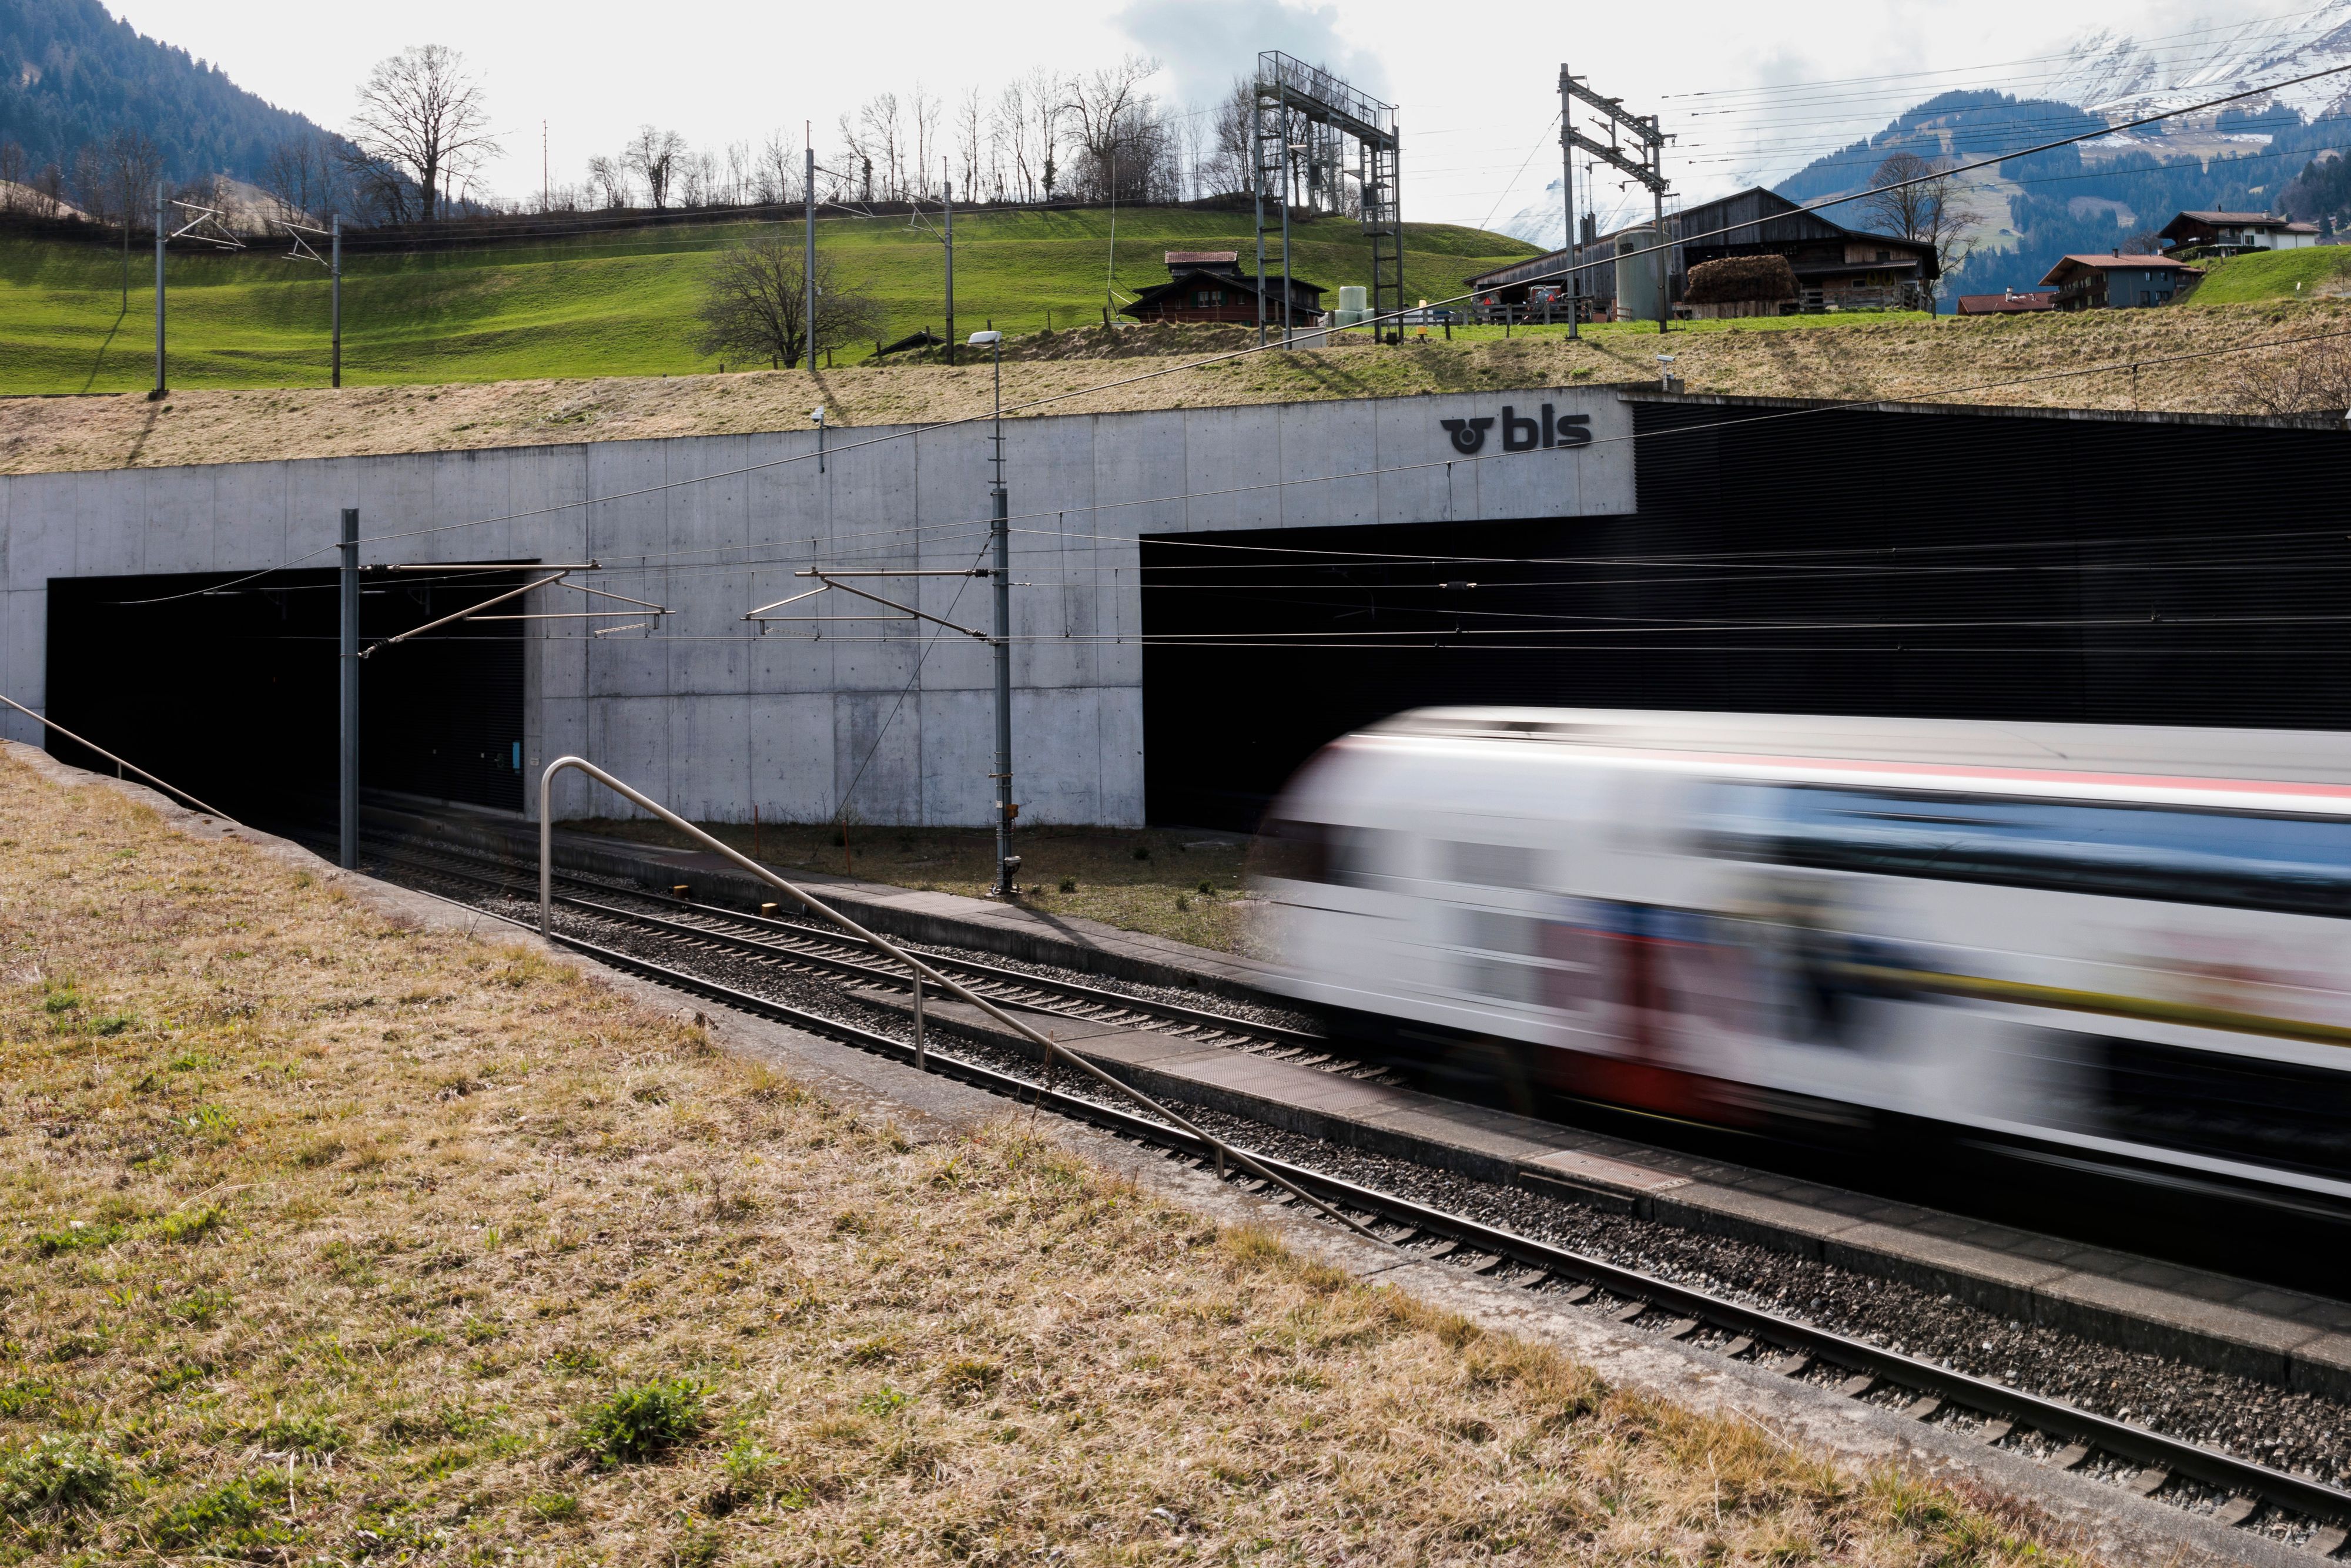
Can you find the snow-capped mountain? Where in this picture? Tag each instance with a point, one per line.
(2121, 78)
(2111, 75)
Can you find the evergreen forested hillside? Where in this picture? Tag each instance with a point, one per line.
(2090, 197)
(71, 74)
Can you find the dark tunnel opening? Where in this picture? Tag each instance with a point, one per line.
(228, 689)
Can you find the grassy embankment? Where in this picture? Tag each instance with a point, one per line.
(334, 1239)
(2316, 272)
(608, 306)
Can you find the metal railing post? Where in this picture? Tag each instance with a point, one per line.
(1053, 1051)
(921, 1060)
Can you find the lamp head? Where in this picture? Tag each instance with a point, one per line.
(817, 413)
(983, 340)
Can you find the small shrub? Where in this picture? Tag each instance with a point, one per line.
(191, 1224)
(971, 1377)
(884, 1401)
(198, 1308)
(554, 1507)
(300, 1435)
(55, 1473)
(1182, 902)
(213, 1124)
(226, 1509)
(25, 1396)
(75, 1235)
(1143, 851)
(1207, 887)
(642, 1422)
(1069, 885)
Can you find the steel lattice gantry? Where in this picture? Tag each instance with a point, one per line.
(1304, 107)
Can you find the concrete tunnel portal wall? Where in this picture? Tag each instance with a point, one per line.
(715, 720)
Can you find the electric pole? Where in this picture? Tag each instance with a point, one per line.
(335, 273)
(1008, 865)
(350, 663)
(946, 187)
(1567, 199)
(157, 394)
(1649, 171)
(808, 262)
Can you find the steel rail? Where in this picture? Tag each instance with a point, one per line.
(2175, 1456)
(1076, 990)
(1053, 1048)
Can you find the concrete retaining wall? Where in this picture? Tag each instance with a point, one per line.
(715, 720)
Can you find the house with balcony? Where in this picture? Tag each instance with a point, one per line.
(2118, 282)
(2196, 236)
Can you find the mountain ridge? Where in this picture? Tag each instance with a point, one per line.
(71, 74)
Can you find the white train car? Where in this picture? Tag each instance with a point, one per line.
(2121, 946)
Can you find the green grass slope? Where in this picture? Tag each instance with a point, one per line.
(621, 304)
(2261, 275)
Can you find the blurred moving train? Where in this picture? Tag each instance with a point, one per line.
(2120, 948)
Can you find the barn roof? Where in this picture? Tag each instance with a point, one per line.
(1755, 217)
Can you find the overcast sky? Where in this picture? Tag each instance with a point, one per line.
(1475, 115)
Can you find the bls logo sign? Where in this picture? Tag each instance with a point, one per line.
(1519, 433)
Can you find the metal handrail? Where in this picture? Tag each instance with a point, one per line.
(1054, 1052)
(78, 740)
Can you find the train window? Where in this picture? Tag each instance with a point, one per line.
(1327, 853)
(1291, 850)
(2241, 860)
(1493, 865)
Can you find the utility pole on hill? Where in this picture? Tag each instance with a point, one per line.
(808, 262)
(1567, 198)
(157, 395)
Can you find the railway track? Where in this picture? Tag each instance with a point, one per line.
(2282, 1506)
(812, 948)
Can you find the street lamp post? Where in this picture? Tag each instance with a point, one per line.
(1008, 865)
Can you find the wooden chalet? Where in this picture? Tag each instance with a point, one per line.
(2192, 236)
(1209, 286)
(2117, 281)
(1836, 267)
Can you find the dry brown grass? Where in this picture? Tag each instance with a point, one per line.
(325, 1230)
(1824, 357)
(1185, 886)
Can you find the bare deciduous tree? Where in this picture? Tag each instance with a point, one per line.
(1918, 199)
(421, 115)
(300, 177)
(2311, 378)
(607, 182)
(1125, 151)
(755, 303)
(778, 175)
(49, 188)
(133, 167)
(656, 157)
(15, 169)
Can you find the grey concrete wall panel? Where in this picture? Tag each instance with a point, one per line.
(715, 717)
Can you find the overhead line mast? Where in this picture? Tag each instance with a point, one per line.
(1287, 88)
(1649, 171)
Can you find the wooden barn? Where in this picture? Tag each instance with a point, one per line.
(1836, 267)
(1209, 286)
